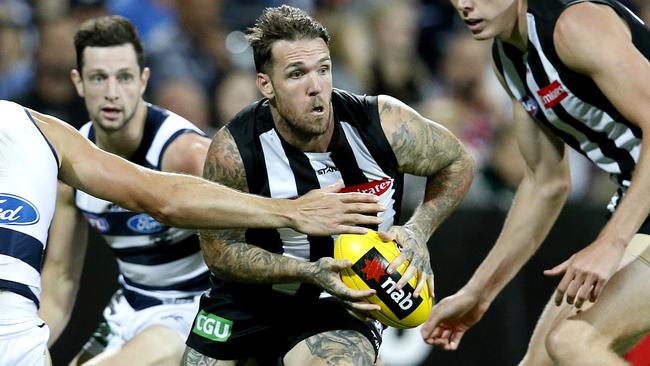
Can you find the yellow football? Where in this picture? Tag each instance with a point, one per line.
(370, 257)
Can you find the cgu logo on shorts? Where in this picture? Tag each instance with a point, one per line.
(371, 267)
(144, 224)
(376, 187)
(212, 327)
(16, 210)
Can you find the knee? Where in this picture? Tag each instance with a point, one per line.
(568, 339)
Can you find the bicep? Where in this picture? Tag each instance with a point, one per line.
(542, 151)
(422, 147)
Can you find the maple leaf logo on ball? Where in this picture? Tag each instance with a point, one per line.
(373, 269)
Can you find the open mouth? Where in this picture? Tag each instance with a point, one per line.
(110, 112)
(472, 22)
(318, 109)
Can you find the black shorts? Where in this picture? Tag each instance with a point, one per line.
(239, 326)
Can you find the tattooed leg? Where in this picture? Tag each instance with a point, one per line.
(338, 347)
(191, 357)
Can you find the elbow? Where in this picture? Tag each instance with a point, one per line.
(555, 189)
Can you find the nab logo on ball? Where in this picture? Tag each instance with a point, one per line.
(370, 257)
(372, 269)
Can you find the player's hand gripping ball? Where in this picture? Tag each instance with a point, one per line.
(370, 257)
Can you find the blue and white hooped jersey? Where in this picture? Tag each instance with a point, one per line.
(568, 103)
(153, 259)
(29, 168)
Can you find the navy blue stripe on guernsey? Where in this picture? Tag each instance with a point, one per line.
(607, 146)
(20, 289)
(140, 302)
(56, 157)
(118, 223)
(171, 139)
(198, 283)
(159, 253)
(22, 246)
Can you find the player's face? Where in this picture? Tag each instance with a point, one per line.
(112, 85)
(488, 19)
(301, 85)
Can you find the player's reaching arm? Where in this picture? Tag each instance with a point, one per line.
(191, 202)
(228, 255)
(537, 204)
(593, 40)
(67, 241)
(424, 148)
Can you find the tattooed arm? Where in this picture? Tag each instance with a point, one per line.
(228, 255)
(427, 149)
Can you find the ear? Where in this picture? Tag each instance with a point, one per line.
(75, 76)
(144, 78)
(264, 85)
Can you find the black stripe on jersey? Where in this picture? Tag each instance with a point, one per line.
(159, 253)
(513, 54)
(306, 180)
(343, 158)
(606, 145)
(194, 284)
(21, 246)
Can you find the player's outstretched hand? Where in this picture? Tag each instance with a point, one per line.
(451, 318)
(326, 212)
(585, 274)
(415, 251)
(325, 274)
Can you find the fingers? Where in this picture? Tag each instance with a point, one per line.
(361, 306)
(396, 263)
(585, 290)
(559, 269)
(333, 188)
(355, 197)
(386, 236)
(562, 287)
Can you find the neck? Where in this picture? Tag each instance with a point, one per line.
(517, 33)
(303, 141)
(126, 140)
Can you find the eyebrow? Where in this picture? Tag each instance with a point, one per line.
(300, 63)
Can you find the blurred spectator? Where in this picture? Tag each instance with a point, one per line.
(396, 68)
(53, 92)
(82, 10)
(150, 17)
(237, 90)
(191, 49)
(187, 99)
(16, 42)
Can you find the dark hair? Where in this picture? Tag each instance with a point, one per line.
(107, 31)
(281, 23)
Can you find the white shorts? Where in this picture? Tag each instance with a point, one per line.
(23, 336)
(122, 322)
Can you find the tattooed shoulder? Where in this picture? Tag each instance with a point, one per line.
(223, 163)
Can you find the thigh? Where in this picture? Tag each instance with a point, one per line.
(156, 345)
(338, 347)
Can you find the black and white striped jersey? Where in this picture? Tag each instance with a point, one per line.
(359, 154)
(153, 259)
(568, 103)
